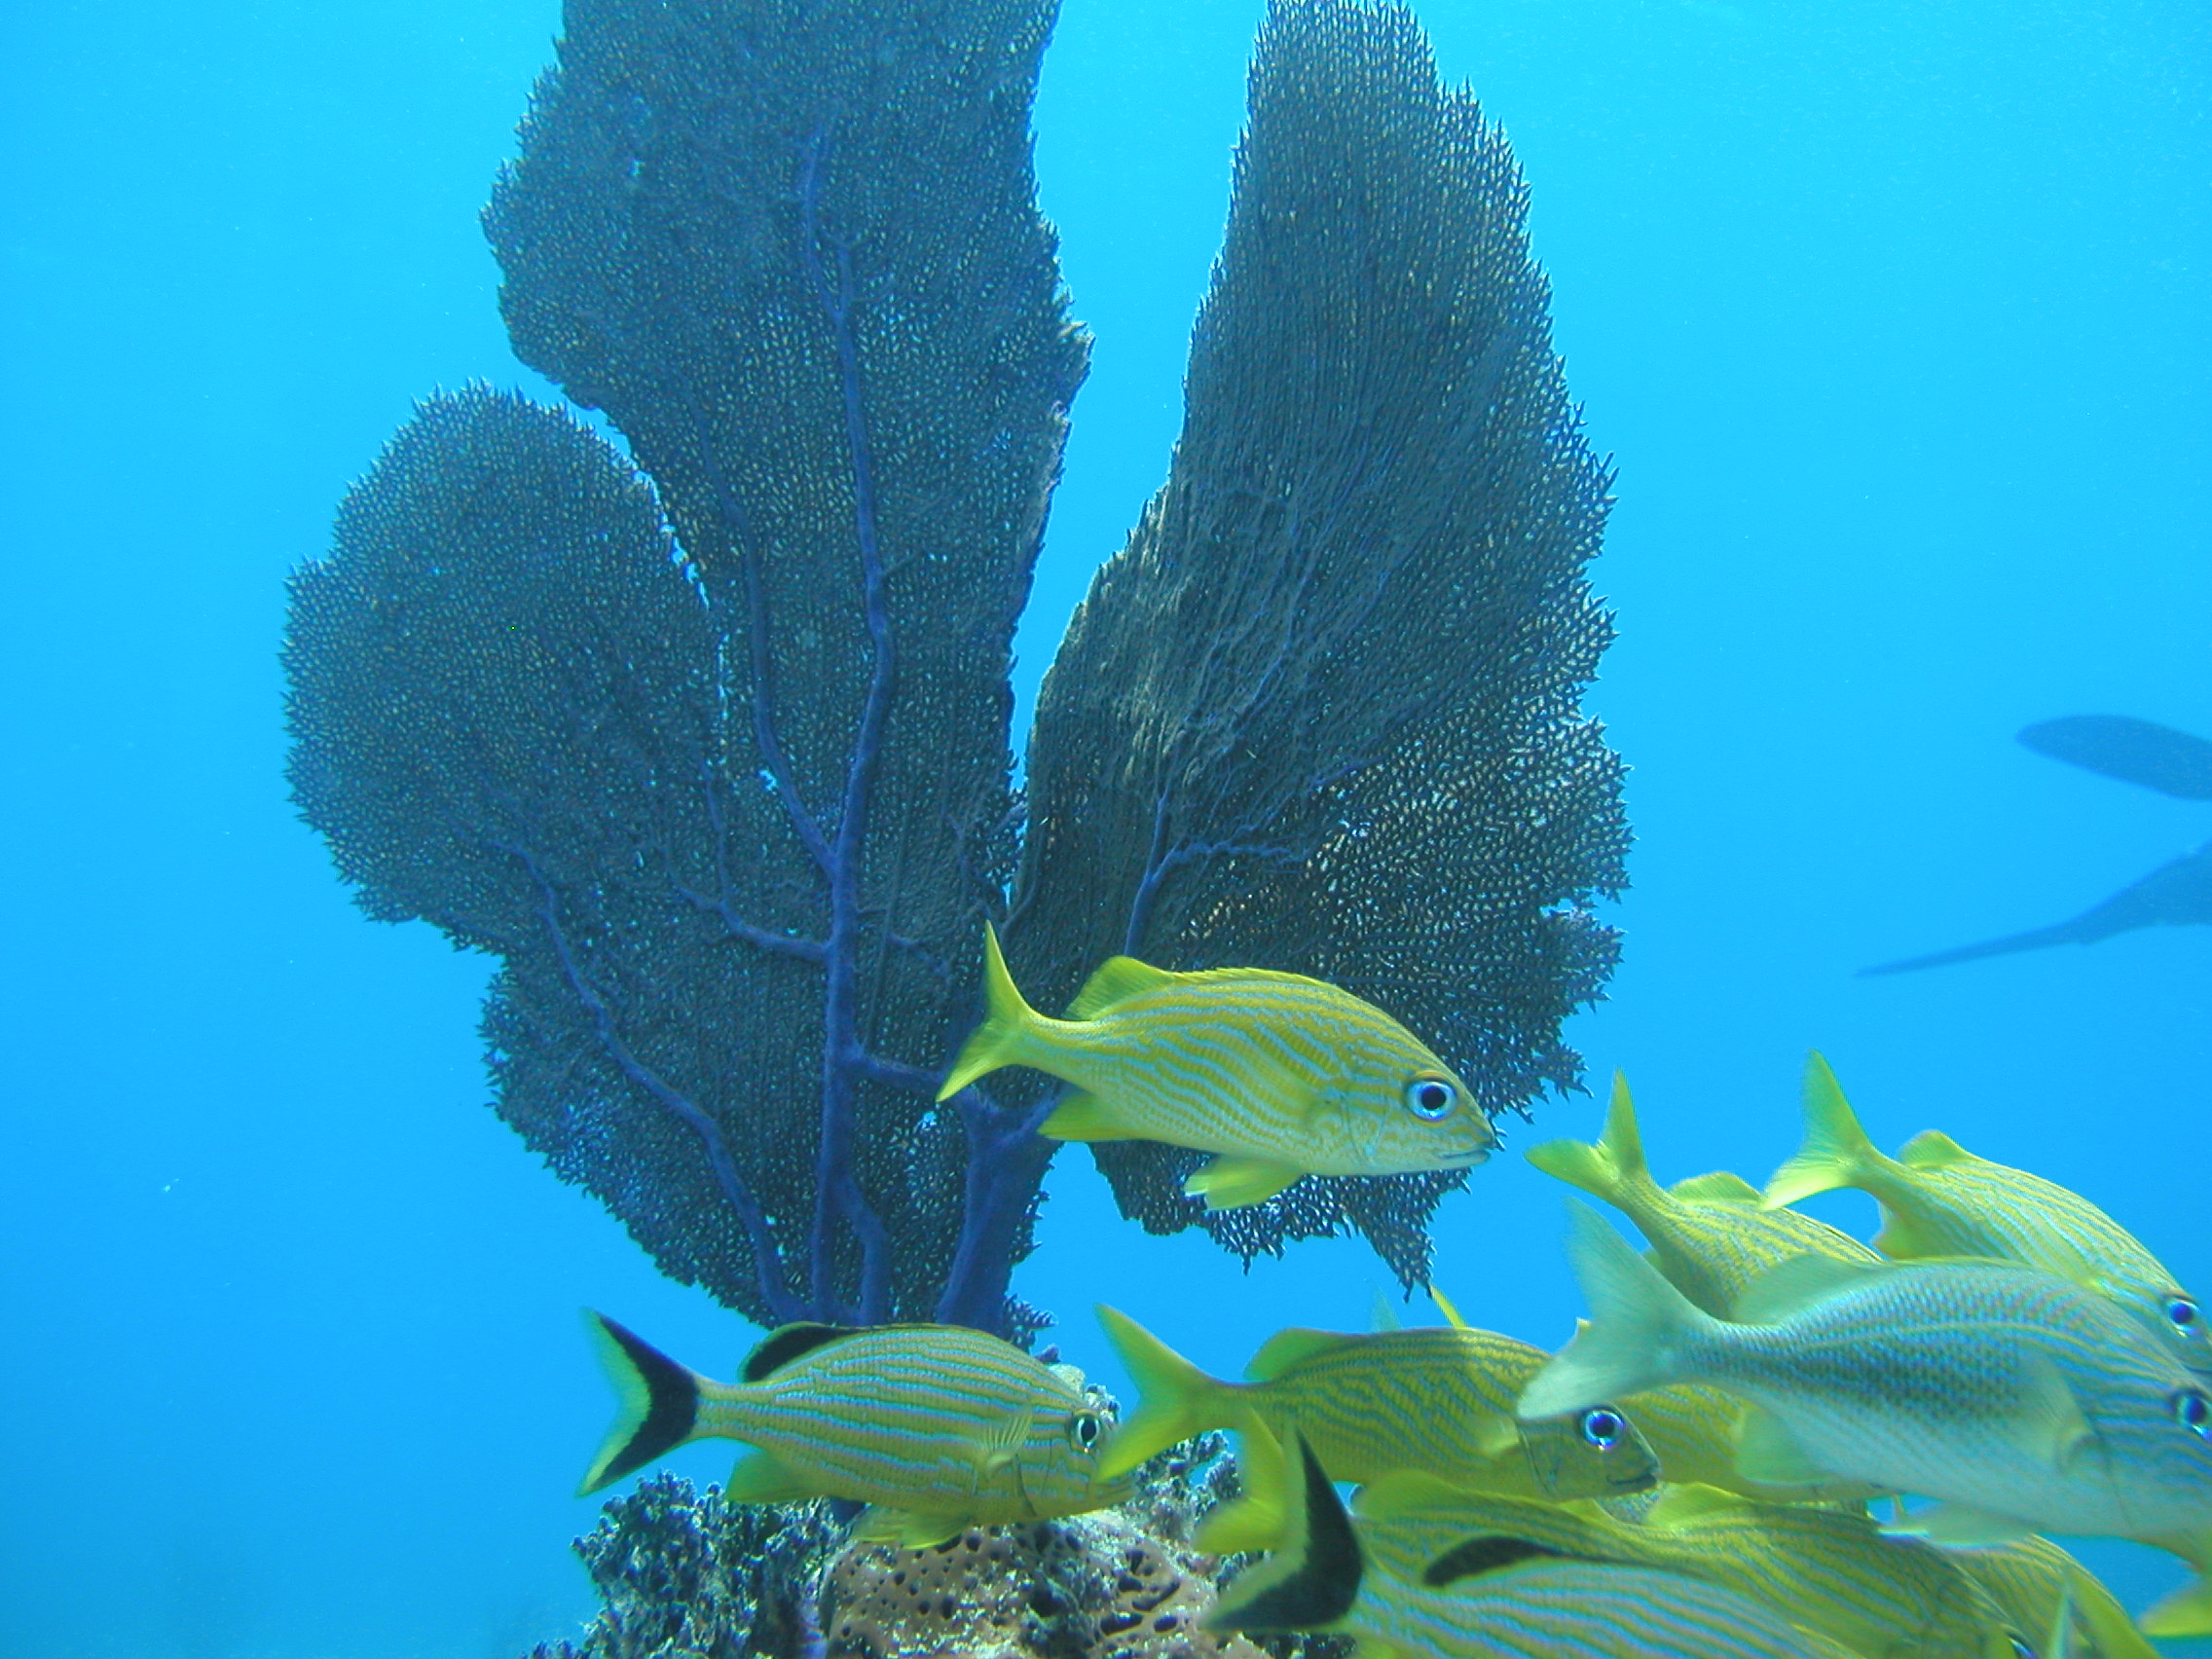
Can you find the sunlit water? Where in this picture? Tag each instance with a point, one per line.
(1895, 315)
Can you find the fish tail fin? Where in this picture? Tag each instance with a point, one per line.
(1639, 1326)
(1606, 1167)
(660, 1406)
(1311, 1579)
(1175, 1399)
(1002, 1039)
(1836, 1152)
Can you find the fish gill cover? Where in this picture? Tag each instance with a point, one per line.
(709, 744)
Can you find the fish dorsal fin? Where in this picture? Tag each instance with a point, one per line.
(1791, 1287)
(786, 1344)
(1717, 1187)
(1692, 1501)
(1932, 1149)
(1443, 1306)
(1117, 979)
(1766, 1453)
(1381, 1315)
(1288, 1349)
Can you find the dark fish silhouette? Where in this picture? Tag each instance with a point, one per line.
(2177, 894)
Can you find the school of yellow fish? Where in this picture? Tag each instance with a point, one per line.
(1766, 1439)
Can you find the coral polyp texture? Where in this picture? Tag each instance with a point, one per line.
(705, 736)
(1322, 712)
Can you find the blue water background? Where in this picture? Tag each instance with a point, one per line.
(1895, 313)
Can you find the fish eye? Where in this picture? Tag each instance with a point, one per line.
(2184, 1315)
(1602, 1426)
(2193, 1412)
(1430, 1098)
(1085, 1430)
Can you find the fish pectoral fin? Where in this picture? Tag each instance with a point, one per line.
(1690, 1502)
(1496, 1436)
(1960, 1527)
(2056, 1428)
(1082, 1117)
(1230, 1182)
(908, 1529)
(761, 1477)
(1767, 1453)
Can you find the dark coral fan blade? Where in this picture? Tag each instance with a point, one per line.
(1322, 713)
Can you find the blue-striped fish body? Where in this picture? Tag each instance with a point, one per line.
(1437, 1398)
(1279, 1075)
(1693, 1432)
(2018, 1399)
(938, 1427)
(1939, 1200)
(1825, 1569)
(1708, 1234)
(1488, 1596)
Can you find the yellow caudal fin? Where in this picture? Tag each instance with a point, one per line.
(660, 1406)
(1312, 1580)
(1606, 1167)
(1836, 1152)
(1175, 1399)
(1007, 1020)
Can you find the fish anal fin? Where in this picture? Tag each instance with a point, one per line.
(1241, 1525)
(1117, 979)
(908, 1529)
(1082, 1117)
(1789, 1287)
(1292, 1347)
(1767, 1453)
(761, 1477)
(2187, 1612)
(1717, 1187)
(1230, 1182)
(1960, 1527)
(1931, 1149)
(786, 1343)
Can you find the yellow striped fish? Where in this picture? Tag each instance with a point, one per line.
(1486, 1597)
(2035, 1587)
(1821, 1568)
(939, 1427)
(1708, 1234)
(1434, 1398)
(1940, 1199)
(2018, 1400)
(1279, 1075)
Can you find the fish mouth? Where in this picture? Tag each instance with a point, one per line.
(1464, 1160)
